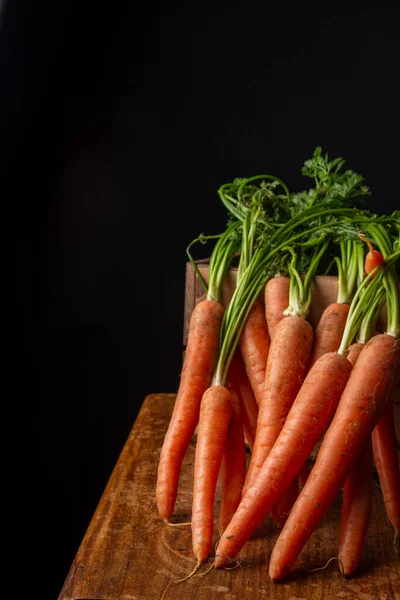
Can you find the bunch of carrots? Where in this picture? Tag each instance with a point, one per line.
(258, 371)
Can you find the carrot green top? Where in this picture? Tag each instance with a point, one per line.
(380, 284)
(227, 246)
(300, 288)
(262, 266)
(319, 223)
(350, 267)
(389, 247)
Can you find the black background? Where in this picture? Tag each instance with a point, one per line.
(118, 125)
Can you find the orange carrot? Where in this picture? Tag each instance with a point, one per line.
(254, 347)
(311, 412)
(233, 466)
(332, 323)
(329, 331)
(373, 258)
(356, 510)
(198, 368)
(385, 453)
(276, 296)
(357, 498)
(215, 415)
(239, 381)
(276, 301)
(354, 352)
(286, 366)
(360, 408)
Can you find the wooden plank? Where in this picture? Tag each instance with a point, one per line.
(190, 299)
(129, 554)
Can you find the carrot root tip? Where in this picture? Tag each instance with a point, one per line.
(341, 566)
(221, 560)
(182, 579)
(207, 571)
(235, 566)
(167, 522)
(193, 572)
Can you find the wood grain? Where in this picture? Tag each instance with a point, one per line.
(129, 554)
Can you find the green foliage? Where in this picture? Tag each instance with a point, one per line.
(331, 182)
(277, 225)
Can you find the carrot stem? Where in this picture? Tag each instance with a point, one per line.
(259, 270)
(366, 240)
(221, 259)
(365, 292)
(390, 278)
(368, 323)
(348, 268)
(300, 290)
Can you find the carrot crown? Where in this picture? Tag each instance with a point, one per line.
(368, 324)
(387, 247)
(350, 267)
(248, 241)
(300, 288)
(363, 310)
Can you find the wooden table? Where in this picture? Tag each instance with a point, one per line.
(129, 554)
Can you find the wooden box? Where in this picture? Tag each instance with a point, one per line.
(324, 292)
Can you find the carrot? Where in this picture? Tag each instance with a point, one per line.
(354, 352)
(373, 258)
(356, 510)
(233, 466)
(311, 412)
(198, 369)
(361, 405)
(329, 330)
(239, 381)
(215, 415)
(385, 453)
(254, 347)
(384, 435)
(286, 366)
(200, 359)
(357, 492)
(276, 295)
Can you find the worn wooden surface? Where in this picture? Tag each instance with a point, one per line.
(129, 554)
